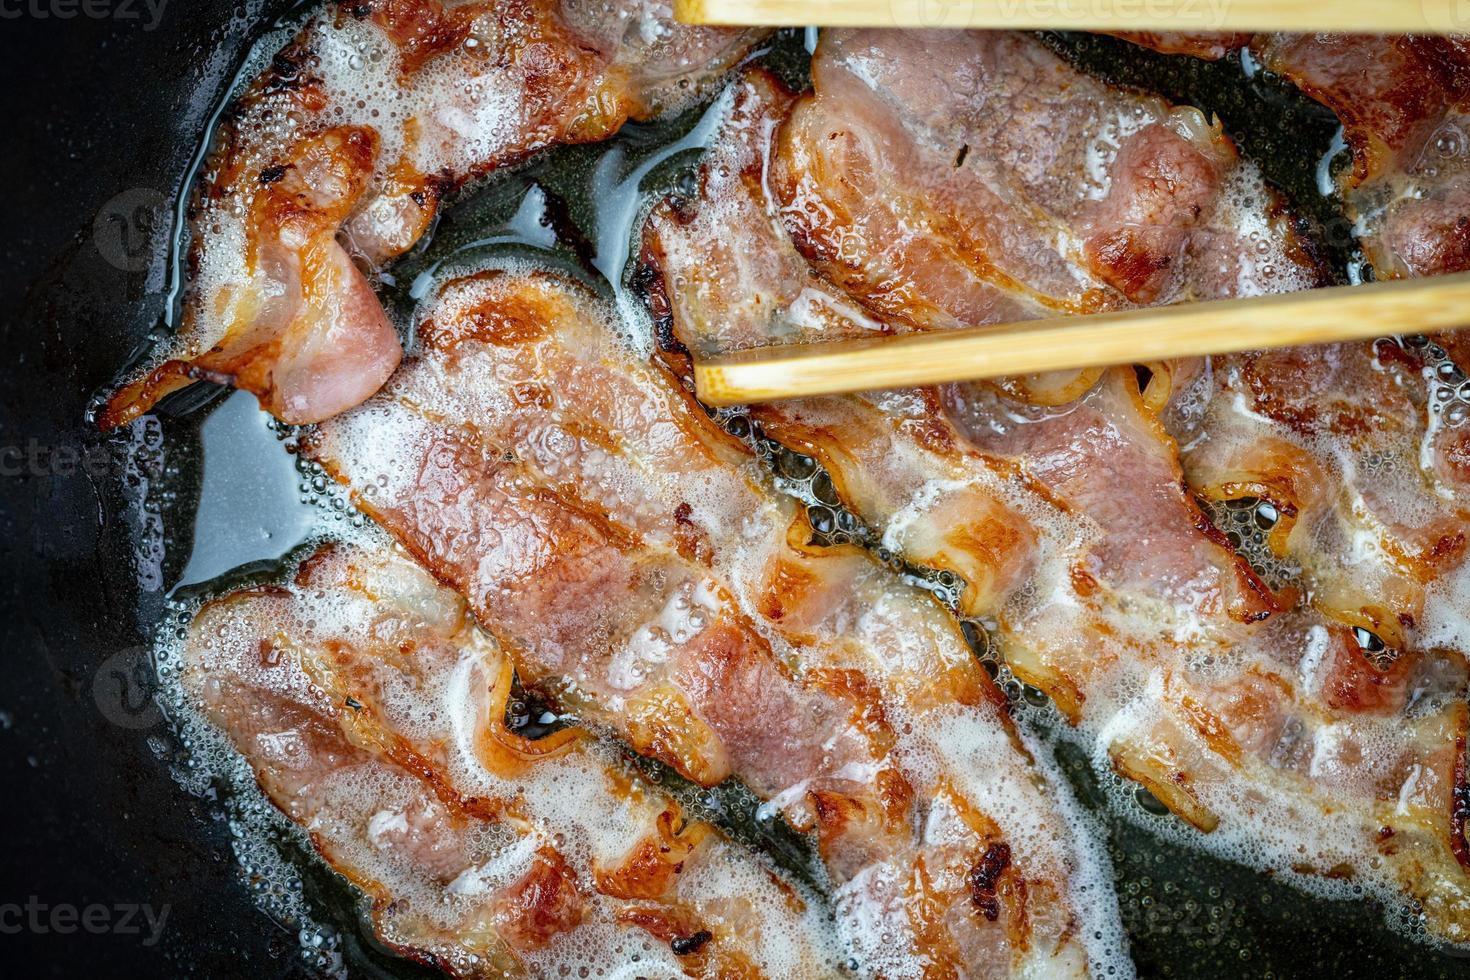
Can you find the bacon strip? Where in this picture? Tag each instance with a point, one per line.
(1062, 505)
(965, 178)
(1404, 103)
(336, 159)
(1364, 449)
(745, 233)
(1206, 45)
(372, 710)
(632, 558)
(1364, 462)
(1368, 447)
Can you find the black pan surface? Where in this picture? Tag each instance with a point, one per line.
(101, 115)
(103, 112)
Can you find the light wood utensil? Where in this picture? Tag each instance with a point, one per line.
(1365, 16)
(1190, 329)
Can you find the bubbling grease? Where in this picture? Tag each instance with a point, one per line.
(795, 474)
(886, 628)
(462, 113)
(585, 804)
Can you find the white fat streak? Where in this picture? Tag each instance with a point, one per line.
(917, 509)
(1102, 149)
(685, 613)
(1265, 263)
(496, 874)
(1445, 623)
(1318, 643)
(570, 801)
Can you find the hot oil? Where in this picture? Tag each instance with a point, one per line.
(249, 501)
(249, 508)
(1188, 912)
(221, 502)
(1290, 137)
(1247, 523)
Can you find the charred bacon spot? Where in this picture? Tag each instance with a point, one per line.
(690, 944)
(649, 288)
(285, 73)
(984, 877)
(272, 174)
(959, 158)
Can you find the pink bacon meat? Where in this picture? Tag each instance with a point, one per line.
(372, 710)
(1404, 103)
(1062, 504)
(337, 157)
(630, 554)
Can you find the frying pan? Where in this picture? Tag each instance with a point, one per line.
(103, 116)
(94, 109)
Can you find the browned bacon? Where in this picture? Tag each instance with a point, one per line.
(372, 710)
(1208, 45)
(336, 158)
(1061, 501)
(1194, 681)
(1360, 456)
(632, 558)
(1404, 103)
(1364, 449)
